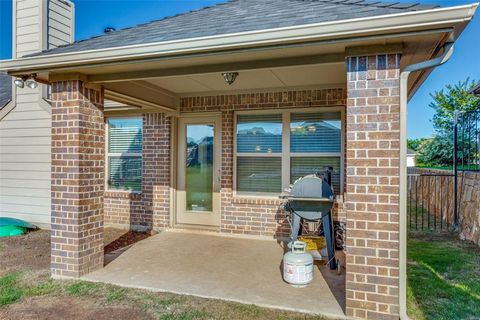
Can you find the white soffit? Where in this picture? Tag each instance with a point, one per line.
(302, 76)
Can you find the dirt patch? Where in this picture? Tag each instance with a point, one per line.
(27, 252)
(124, 240)
(46, 308)
(32, 250)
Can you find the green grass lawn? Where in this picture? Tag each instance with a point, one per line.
(17, 289)
(443, 277)
(470, 167)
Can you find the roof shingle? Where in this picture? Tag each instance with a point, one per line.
(239, 16)
(5, 89)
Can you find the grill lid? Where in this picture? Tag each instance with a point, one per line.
(311, 186)
(310, 197)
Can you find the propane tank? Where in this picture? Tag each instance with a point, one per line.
(298, 265)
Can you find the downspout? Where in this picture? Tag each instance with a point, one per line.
(447, 53)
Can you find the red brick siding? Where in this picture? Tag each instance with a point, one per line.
(156, 167)
(239, 215)
(150, 209)
(372, 194)
(123, 209)
(78, 146)
(246, 215)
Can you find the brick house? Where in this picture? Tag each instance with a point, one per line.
(146, 132)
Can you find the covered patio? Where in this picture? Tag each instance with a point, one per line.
(243, 270)
(202, 152)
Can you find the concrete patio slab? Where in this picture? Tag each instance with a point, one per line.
(219, 267)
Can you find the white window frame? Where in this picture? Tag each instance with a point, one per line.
(286, 155)
(117, 154)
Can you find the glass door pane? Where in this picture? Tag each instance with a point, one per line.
(199, 167)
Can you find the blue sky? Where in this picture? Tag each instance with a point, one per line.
(92, 16)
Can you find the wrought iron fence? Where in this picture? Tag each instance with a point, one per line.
(433, 197)
(431, 201)
(467, 138)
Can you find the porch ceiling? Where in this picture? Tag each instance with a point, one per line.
(302, 76)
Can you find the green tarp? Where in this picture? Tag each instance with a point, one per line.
(13, 227)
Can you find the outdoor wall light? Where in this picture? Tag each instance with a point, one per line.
(20, 82)
(230, 77)
(30, 81)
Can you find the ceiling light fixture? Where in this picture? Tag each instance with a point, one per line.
(230, 77)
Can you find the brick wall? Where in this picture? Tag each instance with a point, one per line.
(372, 195)
(242, 215)
(124, 209)
(239, 215)
(78, 146)
(150, 209)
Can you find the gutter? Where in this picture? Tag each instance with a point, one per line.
(447, 53)
(392, 23)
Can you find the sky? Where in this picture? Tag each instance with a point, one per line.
(92, 16)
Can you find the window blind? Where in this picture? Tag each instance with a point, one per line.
(315, 132)
(125, 135)
(256, 174)
(259, 133)
(125, 173)
(302, 166)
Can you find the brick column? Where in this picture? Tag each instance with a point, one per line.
(156, 171)
(78, 169)
(372, 168)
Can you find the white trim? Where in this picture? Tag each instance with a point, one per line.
(183, 216)
(43, 102)
(7, 109)
(137, 102)
(392, 23)
(286, 155)
(173, 171)
(116, 154)
(260, 155)
(43, 17)
(14, 30)
(403, 228)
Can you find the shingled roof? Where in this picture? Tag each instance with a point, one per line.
(5, 89)
(239, 16)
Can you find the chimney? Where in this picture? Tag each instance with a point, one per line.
(40, 25)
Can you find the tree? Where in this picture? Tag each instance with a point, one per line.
(413, 144)
(446, 101)
(437, 151)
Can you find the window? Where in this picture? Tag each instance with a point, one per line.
(273, 150)
(259, 153)
(125, 154)
(315, 143)
(46, 92)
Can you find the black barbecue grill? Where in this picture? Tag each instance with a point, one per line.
(310, 199)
